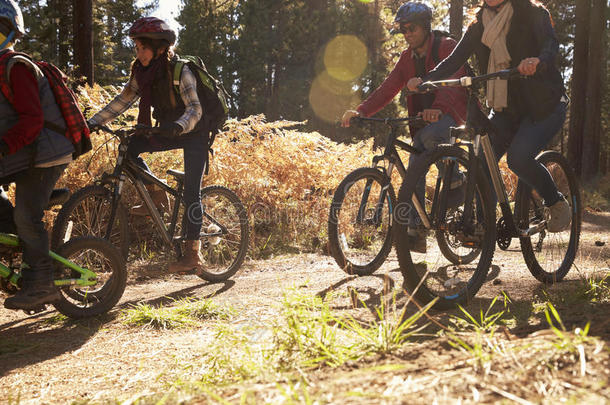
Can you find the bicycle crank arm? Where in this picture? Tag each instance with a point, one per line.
(532, 230)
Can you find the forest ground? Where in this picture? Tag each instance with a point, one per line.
(47, 358)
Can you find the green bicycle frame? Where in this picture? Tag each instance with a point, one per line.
(87, 278)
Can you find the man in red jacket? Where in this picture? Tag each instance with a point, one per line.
(442, 109)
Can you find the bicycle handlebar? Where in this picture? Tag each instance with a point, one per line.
(127, 132)
(468, 81)
(391, 121)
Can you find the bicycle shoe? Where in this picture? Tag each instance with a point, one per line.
(32, 297)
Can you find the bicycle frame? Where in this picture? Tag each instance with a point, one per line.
(88, 277)
(390, 154)
(481, 144)
(126, 169)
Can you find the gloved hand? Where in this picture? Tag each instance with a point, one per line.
(170, 130)
(93, 126)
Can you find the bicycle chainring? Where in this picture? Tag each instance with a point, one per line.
(503, 237)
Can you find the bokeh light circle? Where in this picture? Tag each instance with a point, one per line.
(345, 57)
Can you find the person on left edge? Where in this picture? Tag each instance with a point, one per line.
(443, 109)
(32, 156)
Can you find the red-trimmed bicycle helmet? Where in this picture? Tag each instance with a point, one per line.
(152, 28)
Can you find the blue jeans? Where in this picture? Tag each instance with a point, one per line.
(522, 141)
(424, 140)
(195, 148)
(33, 189)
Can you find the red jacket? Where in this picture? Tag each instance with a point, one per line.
(449, 100)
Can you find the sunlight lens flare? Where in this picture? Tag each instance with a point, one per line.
(345, 57)
(329, 97)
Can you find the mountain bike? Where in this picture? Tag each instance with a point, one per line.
(549, 256)
(98, 210)
(361, 213)
(90, 273)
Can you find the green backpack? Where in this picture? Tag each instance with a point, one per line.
(212, 95)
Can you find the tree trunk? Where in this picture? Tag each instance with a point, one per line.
(456, 17)
(83, 38)
(594, 91)
(579, 85)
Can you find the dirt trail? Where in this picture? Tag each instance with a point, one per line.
(43, 360)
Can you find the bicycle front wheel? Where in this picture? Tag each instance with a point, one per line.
(99, 256)
(224, 233)
(360, 221)
(87, 213)
(455, 260)
(549, 256)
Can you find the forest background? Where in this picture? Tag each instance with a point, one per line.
(310, 60)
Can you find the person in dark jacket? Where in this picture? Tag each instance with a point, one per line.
(527, 113)
(178, 116)
(443, 109)
(33, 157)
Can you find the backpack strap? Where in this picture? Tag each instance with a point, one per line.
(178, 66)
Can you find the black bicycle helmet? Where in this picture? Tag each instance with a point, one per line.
(412, 12)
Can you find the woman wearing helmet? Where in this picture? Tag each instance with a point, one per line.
(442, 110)
(178, 116)
(32, 155)
(526, 112)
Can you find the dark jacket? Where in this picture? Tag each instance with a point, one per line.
(531, 34)
(450, 101)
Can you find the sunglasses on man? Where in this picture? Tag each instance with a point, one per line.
(403, 28)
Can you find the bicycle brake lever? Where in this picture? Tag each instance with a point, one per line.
(426, 87)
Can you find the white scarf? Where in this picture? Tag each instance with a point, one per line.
(496, 25)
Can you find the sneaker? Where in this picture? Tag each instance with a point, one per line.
(560, 216)
(417, 241)
(32, 297)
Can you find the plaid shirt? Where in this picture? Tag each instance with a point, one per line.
(122, 102)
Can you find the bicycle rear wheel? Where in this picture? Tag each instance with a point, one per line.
(360, 221)
(105, 260)
(438, 273)
(87, 213)
(225, 233)
(549, 256)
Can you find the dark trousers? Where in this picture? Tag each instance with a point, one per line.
(195, 155)
(32, 192)
(522, 141)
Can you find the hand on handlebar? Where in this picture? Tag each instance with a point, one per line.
(414, 83)
(431, 115)
(347, 116)
(93, 126)
(170, 130)
(528, 66)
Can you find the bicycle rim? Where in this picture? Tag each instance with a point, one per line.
(225, 233)
(360, 221)
(549, 256)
